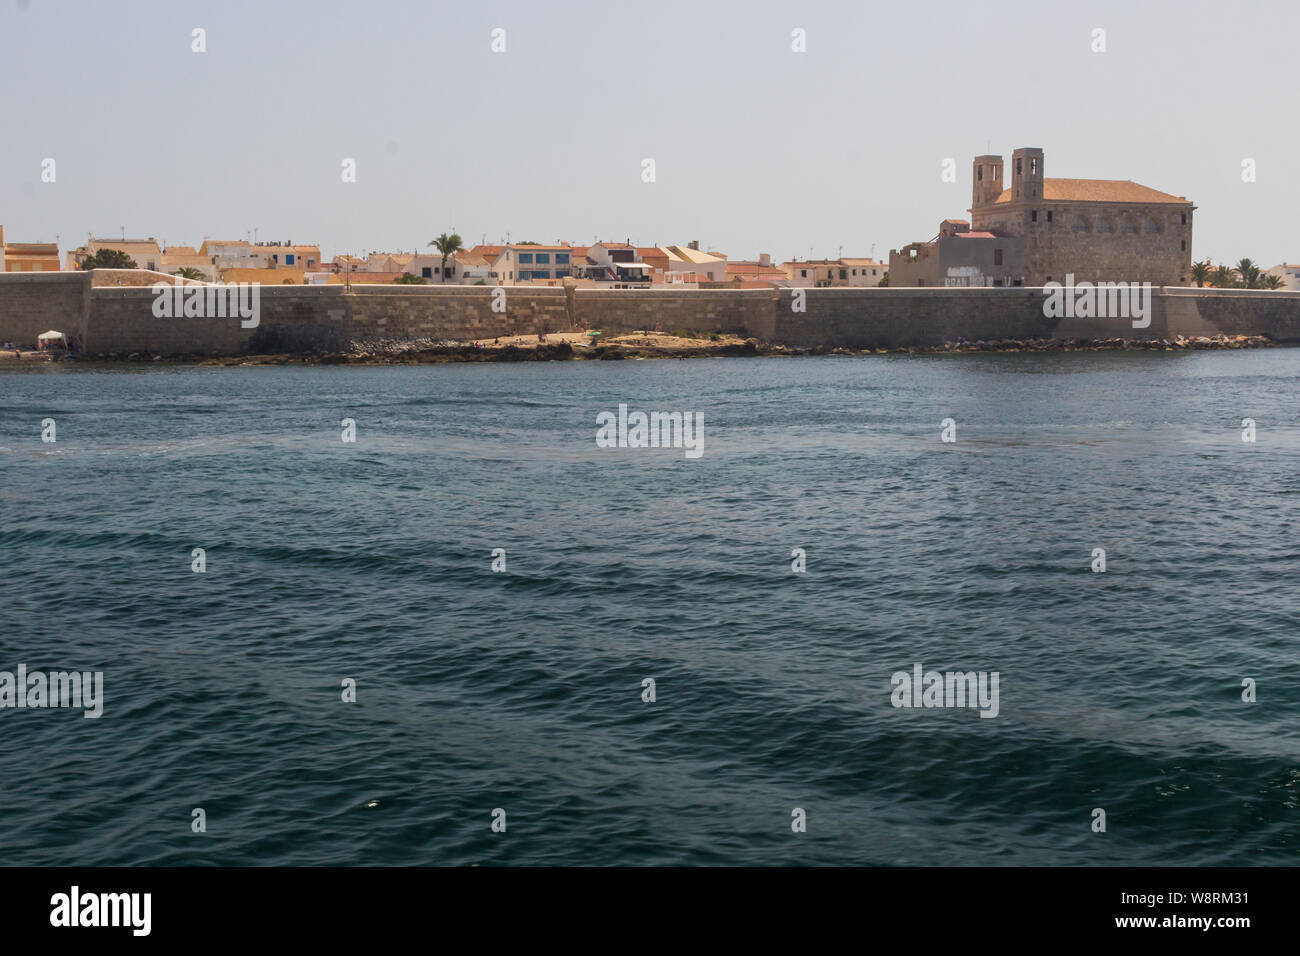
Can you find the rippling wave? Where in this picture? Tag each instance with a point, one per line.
(522, 690)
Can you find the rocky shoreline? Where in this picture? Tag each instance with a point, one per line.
(634, 347)
(641, 346)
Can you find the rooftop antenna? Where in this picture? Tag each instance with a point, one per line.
(123, 228)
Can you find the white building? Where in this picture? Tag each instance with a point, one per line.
(463, 268)
(616, 265)
(705, 266)
(1289, 274)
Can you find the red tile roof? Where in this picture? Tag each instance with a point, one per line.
(752, 270)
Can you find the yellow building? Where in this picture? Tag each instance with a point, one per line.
(28, 256)
(264, 276)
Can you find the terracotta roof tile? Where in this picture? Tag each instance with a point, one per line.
(1099, 190)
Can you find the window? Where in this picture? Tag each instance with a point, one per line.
(844, 273)
(1033, 216)
(1106, 226)
(803, 273)
(426, 273)
(288, 258)
(1079, 225)
(1033, 167)
(1049, 215)
(997, 257)
(1184, 245)
(561, 258)
(543, 258)
(525, 258)
(1184, 219)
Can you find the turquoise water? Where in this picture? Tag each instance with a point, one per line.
(523, 690)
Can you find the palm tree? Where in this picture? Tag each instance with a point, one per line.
(1248, 272)
(1270, 281)
(447, 245)
(1222, 278)
(1201, 273)
(188, 272)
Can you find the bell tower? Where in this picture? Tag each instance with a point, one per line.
(1027, 174)
(986, 179)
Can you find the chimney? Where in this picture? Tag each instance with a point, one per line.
(764, 258)
(693, 244)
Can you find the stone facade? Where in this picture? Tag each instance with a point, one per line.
(958, 258)
(1098, 230)
(32, 303)
(121, 319)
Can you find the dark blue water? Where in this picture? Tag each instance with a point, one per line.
(523, 691)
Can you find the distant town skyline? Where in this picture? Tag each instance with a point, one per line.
(756, 148)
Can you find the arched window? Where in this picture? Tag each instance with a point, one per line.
(1128, 226)
(1153, 227)
(1079, 225)
(1105, 225)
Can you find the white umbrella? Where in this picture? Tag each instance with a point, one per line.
(49, 335)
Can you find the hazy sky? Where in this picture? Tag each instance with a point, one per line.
(757, 148)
